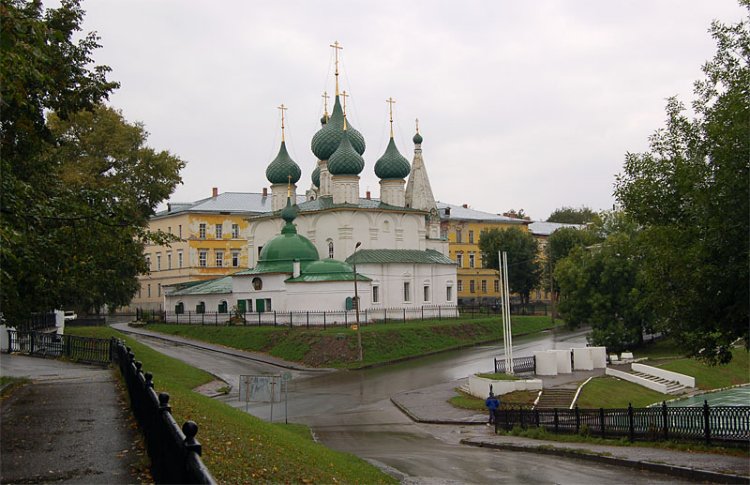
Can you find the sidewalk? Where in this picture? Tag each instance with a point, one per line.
(68, 425)
(429, 405)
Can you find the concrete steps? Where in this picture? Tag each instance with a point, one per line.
(556, 398)
(672, 386)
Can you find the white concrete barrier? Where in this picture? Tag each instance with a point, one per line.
(480, 386)
(686, 381)
(564, 365)
(4, 339)
(662, 388)
(546, 363)
(599, 357)
(582, 359)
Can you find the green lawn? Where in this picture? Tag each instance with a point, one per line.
(237, 447)
(716, 376)
(337, 346)
(610, 392)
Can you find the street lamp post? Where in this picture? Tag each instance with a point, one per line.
(356, 301)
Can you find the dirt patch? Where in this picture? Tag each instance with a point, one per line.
(329, 350)
(214, 388)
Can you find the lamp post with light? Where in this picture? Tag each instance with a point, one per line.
(356, 300)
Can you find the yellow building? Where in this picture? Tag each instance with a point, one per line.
(213, 236)
(462, 227)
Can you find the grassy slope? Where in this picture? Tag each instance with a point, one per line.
(237, 447)
(609, 392)
(381, 342)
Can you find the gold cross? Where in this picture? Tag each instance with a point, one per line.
(417, 120)
(336, 48)
(325, 104)
(289, 187)
(390, 102)
(344, 95)
(282, 108)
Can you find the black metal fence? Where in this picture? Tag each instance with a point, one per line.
(479, 309)
(175, 453)
(81, 349)
(520, 364)
(725, 424)
(36, 322)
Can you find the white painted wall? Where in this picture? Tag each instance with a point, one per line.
(390, 278)
(564, 366)
(546, 363)
(582, 359)
(636, 380)
(599, 357)
(480, 386)
(683, 379)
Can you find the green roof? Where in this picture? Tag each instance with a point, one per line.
(384, 256)
(316, 278)
(209, 287)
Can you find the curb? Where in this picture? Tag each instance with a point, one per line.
(417, 419)
(675, 470)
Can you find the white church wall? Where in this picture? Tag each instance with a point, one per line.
(390, 279)
(325, 296)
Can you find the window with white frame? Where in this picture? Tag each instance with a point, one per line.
(169, 259)
(202, 231)
(148, 262)
(484, 286)
(449, 293)
(460, 285)
(158, 289)
(407, 291)
(459, 236)
(460, 260)
(219, 231)
(471, 286)
(496, 285)
(376, 294)
(148, 288)
(202, 258)
(235, 231)
(235, 259)
(179, 231)
(179, 259)
(426, 292)
(471, 237)
(330, 249)
(158, 261)
(471, 261)
(219, 259)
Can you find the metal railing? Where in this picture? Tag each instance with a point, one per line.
(81, 349)
(175, 453)
(520, 364)
(726, 424)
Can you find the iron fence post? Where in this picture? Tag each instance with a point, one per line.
(707, 422)
(631, 425)
(665, 420)
(601, 421)
(578, 420)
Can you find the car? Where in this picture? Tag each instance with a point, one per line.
(70, 315)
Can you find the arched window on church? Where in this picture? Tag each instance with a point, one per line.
(330, 249)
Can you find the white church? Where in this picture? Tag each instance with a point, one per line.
(302, 257)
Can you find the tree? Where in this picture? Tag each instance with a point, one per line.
(524, 269)
(690, 194)
(517, 214)
(50, 224)
(600, 286)
(570, 215)
(560, 244)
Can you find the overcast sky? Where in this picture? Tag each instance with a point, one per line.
(527, 105)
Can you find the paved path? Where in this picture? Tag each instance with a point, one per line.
(69, 425)
(429, 406)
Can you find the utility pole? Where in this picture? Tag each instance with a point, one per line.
(356, 301)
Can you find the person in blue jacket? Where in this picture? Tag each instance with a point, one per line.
(492, 403)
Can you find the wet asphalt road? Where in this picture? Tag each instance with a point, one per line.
(351, 411)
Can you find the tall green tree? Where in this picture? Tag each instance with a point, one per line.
(600, 286)
(571, 215)
(524, 269)
(52, 219)
(560, 244)
(690, 193)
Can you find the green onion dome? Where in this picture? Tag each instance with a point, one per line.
(345, 160)
(282, 167)
(417, 139)
(327, 139)
(392, 165)
(288, 245)
(316, 177)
